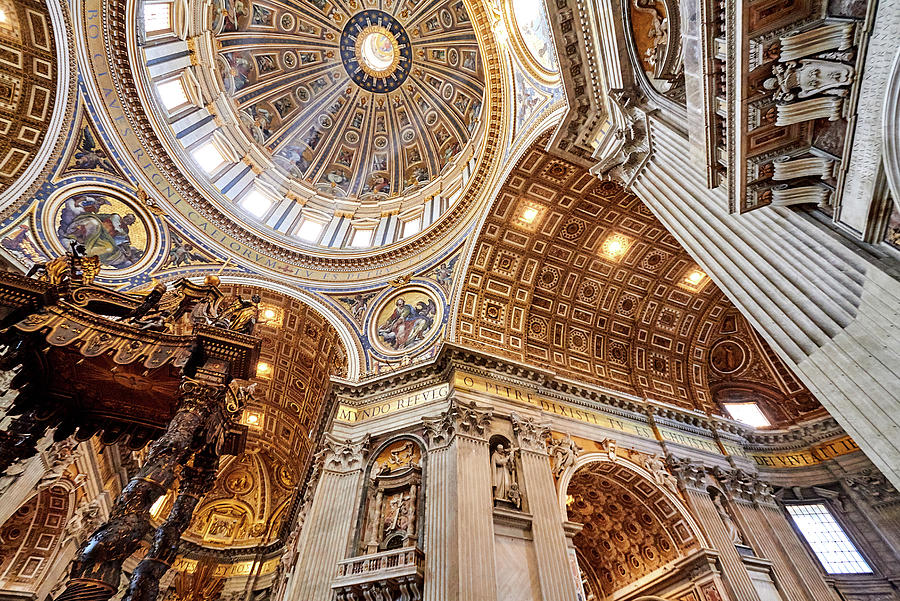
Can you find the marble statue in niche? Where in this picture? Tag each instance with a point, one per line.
(731, 528)
(504, 475)
(392, 507)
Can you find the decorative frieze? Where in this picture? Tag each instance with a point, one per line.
(795, 77)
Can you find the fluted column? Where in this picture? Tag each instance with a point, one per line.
(441, 528)
(692, 481)
(770, 535)
(459, 526)
(477, 577)
(547, 524)
(830, 314)
(329, 524)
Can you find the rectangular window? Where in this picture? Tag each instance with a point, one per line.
(172, 94)
(310, 230)
(208, 157)
(256, 203)
(747, 413)
(410, 228)
(362, 238)
(828, 540)
(157, 17)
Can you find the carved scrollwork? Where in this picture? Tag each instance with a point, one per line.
(872, 486)
(471, 419)
(344, 455)
(531, 434)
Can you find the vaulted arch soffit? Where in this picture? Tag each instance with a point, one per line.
(575, 275)
(631, 526)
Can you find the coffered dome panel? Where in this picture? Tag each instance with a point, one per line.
(344, 125)
(354, 102)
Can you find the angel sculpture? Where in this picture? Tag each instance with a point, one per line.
(242, 315)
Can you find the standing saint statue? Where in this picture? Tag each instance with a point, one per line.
(503, 473)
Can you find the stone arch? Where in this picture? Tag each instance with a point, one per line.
(48, 64)
(352, 348)
(30, 539)
(632, 527)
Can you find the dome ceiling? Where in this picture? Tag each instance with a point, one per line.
(355, 102)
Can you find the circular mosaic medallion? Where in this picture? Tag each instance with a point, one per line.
(727, 357)
(106, 222)
(406, 320)
(375, 51)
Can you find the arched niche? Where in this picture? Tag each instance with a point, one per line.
(392, 506)
(632, 529)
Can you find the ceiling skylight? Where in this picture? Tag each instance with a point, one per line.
(747, 413)
(208, 157)
(172, 94)
(310, 230)
(256, 203)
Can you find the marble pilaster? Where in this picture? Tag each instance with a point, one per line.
(768, 532)
(692, 481)
(828, 312)
(329, 524)
(547, 523)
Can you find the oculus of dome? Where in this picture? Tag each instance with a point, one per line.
(376, 51)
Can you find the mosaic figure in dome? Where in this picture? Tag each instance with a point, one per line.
(90, 155)
(107, 235)
(408, 323)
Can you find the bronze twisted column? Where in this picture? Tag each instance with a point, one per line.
(196, 481)
(198, 424)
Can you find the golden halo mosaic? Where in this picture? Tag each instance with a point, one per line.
(375, 51)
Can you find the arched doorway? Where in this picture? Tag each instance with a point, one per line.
(630, 531)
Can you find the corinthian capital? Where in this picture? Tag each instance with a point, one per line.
(690, 474)
(472, 419)
(531, 434)
(344, 455)
(744, 486)
(459, 417)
